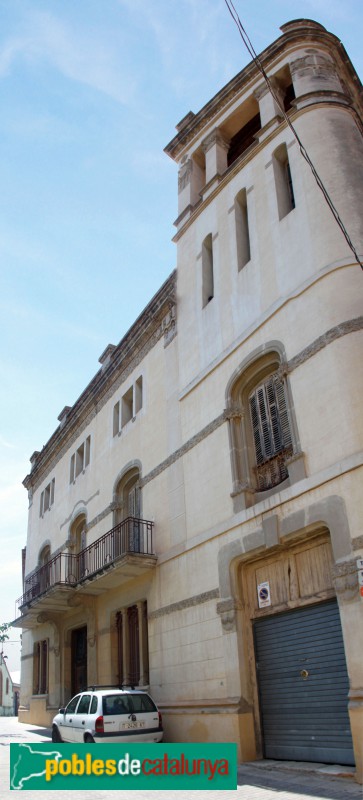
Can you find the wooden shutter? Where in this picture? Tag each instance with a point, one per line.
(283, 415)
(270, 423)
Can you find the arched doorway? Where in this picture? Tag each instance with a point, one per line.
(44, 571)
(296, 659)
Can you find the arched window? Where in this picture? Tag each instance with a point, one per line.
(44, 555)
(242, 229)
(265, 451)
(207, 270)
(283, 181)
(128, 496)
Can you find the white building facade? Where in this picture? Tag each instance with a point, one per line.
(195, 520)
(8, 691)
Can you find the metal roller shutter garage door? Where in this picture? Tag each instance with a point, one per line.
(303, 685)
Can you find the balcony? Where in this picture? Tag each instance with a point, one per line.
(123, 553)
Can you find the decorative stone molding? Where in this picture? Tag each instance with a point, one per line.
(357, 543)
(210, 428)
(263, 89)
(169, 326)
(283, 370)
(345, 579)
(189, 602)
(184, 175)
(234, 412)
(313, 65)
(227, 610)
(215, 138)
(350, 326)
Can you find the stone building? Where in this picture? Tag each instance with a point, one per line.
(195, 519)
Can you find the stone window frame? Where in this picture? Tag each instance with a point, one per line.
(207, 270)
(80, 460)
(47, 498)
(242, 228)
(128, 406)
(132, 644)
(40, 667)
(265, 361)
(284, 186)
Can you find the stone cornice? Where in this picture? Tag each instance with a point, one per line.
(140, 338)
(298, 32)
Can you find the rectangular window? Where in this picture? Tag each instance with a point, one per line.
(132, 645)
(47, 498)
(138, 395)
(116, 419)
(128, 407)
(40, 667)
(80, 460)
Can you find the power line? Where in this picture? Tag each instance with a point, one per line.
(248, 44)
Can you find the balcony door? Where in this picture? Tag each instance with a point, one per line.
(129, 508)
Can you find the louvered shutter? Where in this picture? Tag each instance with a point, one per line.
(256, 430)
(276, 436)
(283, 415)
(270, 422)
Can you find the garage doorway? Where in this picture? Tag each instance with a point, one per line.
(303, 685)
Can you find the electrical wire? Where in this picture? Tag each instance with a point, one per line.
(248, 44)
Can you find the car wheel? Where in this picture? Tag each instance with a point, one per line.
(89, 739)
(56, 737)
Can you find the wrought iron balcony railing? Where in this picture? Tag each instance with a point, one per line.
(69, 569)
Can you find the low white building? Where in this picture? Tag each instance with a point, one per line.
(9, 691)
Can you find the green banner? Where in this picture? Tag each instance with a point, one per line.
(122, 766)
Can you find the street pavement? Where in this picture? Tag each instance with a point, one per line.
(258, 780)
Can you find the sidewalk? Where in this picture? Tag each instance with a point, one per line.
(257, 780)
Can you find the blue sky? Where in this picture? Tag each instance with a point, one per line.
(90, 93)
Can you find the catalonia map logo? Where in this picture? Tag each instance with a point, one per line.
(139, 766)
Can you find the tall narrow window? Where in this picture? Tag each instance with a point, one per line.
(80, 460)
(242, 229)
(127, 406)
(116, 419)
(132, 645)
(138, 394)
(207, 270)
(47, 498)
(283, 181)
(40, 667)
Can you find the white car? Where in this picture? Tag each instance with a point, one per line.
(102, 714)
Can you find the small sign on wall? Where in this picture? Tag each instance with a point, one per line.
(264, 595)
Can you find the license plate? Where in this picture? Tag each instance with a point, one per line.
(129, 725)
